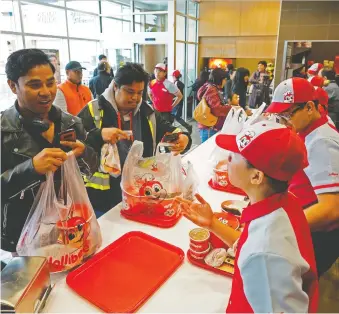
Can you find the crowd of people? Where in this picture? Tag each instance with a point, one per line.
(296, 233)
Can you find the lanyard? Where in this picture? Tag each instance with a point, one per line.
(130, 123)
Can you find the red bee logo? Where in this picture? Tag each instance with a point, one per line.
(288, 97)
(246, 139)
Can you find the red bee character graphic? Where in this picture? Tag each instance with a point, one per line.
(246, 139)
(288, 97)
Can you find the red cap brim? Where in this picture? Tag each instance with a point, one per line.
(278, 107)
(227, 142)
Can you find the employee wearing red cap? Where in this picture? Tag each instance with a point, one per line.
(177, 110)
(317, 188)
(275, 268)
(164, 94)
(314, 70)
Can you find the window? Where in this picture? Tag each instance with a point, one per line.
(85, 52)
(83, 25)
(44, 20)
(192, 30)
(8, 44)
(52, 46)
(181, 6)
(9, 16)
(111, 8)
(180, 31)
(149, 6)
(180, 58)
(191, 64)
(88, 6)
(192, 8)
(110, 25)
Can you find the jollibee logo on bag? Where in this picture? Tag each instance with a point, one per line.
(246, 139)
(67, 261)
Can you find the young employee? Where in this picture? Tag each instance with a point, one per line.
(318, 188)
(275, 268)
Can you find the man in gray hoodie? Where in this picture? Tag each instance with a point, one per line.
(332, 90)
(122, 108)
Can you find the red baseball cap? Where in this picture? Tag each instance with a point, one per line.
(161, 66)
(176, 73)
(270, 147)
(315, 68)
(292, 91)
(321, 95)
(317, 81)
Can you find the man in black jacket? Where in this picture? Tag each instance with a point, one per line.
(99, 83)
(103, 58)
(122, 108)
(30, 143)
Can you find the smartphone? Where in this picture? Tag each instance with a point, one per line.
(68, 135)
(170, 137)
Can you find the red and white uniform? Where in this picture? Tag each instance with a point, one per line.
(322, 174)
(275, 269)
(163, 93)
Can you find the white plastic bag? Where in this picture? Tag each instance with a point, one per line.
(64, 229)
(149, 185)
(191, 182)
(110, 160)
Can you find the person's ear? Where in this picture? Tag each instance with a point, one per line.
(257, 176)
(310, 107)
(115, 87)
(12, 86)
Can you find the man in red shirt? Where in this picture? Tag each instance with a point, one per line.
(164, 94)
(275, 267)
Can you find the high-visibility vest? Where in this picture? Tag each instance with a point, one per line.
(99, 180)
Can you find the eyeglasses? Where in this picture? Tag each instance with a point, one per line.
(288, 115)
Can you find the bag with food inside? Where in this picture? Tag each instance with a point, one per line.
(61, 227)
(110, 160)
(149, 185)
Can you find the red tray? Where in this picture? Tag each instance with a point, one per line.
(126, 273)
(227, 188)
(162, 222)
(202, 264)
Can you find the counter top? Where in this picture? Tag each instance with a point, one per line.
(190, 289)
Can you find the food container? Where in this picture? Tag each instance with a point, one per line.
(157, 204)
(199, 239)
(234, 207)
(200, 255)
(25, 285)
(220, 177)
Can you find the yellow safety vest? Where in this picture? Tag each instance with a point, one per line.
(99, 180)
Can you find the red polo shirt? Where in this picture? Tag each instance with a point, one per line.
(163, 93)
(275, 268)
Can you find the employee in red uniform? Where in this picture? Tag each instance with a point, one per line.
(164, 94)
(318, 187)
(275, 269)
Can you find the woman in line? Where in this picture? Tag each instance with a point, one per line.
(240, 84)
(212, 92)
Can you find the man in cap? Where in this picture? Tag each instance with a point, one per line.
(317, 187)
(164, 94)
(72, 96)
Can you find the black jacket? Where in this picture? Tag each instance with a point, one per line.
(104, 200)
(95, 73)
(19, 181)
(99, 83)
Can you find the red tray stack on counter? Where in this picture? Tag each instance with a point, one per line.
(124, 275)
